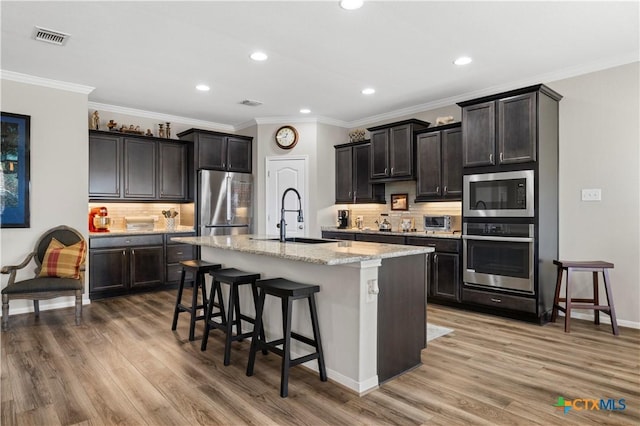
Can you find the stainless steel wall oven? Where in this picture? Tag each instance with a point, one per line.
(499, 255)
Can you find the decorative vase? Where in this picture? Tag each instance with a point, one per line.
(170, 223)
(161, 130)
(168, 130)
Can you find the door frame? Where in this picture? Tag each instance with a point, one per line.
(305, 198)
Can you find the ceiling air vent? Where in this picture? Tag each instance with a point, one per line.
(50, 36)
(249, 102)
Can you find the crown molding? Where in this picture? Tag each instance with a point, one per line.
(294, 120)
(162, 117)
(45, 82)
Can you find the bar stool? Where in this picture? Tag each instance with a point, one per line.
(198, 268)
(235, 278)
(590, 266)
(287, 291)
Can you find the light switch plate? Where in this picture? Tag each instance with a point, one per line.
(594, 194)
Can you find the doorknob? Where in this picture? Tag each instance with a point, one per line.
(300, 227)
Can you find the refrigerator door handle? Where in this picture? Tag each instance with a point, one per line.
(228, 198)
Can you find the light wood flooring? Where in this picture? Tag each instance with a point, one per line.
(124, 365)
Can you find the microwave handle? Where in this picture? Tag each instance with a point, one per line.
(499, 239)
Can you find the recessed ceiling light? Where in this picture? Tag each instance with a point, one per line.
(368, 91)
(203, 87)
(351, 4)
(305, 110)
(463, 60)
(259, 56)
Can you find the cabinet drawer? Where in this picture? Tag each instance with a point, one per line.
(339, 235)
(174, 273)
(503, 301)
(133, 240)
(385, 239)
(179, 252)
(440, 244)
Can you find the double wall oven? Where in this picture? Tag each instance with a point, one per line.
(498, 231)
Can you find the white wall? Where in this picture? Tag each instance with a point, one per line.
(59, 172)
(600, 148)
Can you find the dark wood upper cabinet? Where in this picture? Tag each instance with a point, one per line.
(392, 150)
(352, 175)
(220, 151)
(105, 155)
(502, 129)
(439, 163)
(136, 168)
(140, 168)
(172, 171)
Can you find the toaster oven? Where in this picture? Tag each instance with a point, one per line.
(440, 223)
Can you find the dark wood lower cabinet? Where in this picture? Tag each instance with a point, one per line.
(121, 265)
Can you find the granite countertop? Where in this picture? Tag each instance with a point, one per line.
(331, 253)
(122, 232)
(431, 234)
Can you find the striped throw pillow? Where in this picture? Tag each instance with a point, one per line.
(63, 261)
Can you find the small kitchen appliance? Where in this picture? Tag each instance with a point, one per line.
(343, 218)
(99, 219)
(441, 223)
(383, 222)
(139, 223)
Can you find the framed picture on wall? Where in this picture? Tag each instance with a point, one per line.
(399, 201)
(14, 165)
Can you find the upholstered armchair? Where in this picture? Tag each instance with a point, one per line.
(59, 255)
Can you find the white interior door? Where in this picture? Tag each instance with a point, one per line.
(282, 173)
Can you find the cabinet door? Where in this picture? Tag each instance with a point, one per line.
(452, 163)
(380, 154)
(140, 168)
(446, 276)
(517, 129)
(344, 175)
(104, 166)
(211, 152)
(400, 151)
(173, 171)
(147, 266)
(428, 162)
(361, 171)
(109, 269)
(238, 155)
(479, 134)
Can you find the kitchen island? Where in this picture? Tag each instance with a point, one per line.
(371, 305)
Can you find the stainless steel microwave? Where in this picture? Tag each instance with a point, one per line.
(503, 194)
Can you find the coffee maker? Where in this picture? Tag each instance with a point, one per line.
(343, 218)
(99, 220)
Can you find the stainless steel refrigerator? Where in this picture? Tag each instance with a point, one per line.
(225, 203)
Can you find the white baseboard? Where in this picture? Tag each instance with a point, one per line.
(57, 304)
(604, 319)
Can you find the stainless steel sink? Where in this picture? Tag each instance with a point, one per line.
(302, 240)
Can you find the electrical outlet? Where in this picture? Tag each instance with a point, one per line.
(594, 194)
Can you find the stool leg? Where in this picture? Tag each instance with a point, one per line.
(238, 313)
(257, 329)
(316, 336)
(223, 315)
(556, 299)
(254, 289)
(286, 349)
(567, 312)
(230, 321)
(178, 301)
(36, 308)
(612, 311)
(596, 312)
(207, 317)
(194, 309)
(203, 285)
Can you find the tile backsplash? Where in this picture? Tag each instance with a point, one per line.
(118, 211)
(371, 212)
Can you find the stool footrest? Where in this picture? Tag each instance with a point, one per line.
(271, 346)
(602, 308)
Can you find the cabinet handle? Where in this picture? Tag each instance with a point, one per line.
(491, 158)
(437, 189)
(445, 190)
(223, 164)
(501, 157)
(385, 170)
(493, 299)
(349, 196)
(133, 252)
(229, 165)
(123, 253)
(392, 170)
(179, 252)
(435, 259)
(354, 195)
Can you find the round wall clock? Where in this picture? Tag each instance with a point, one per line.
(287, 137)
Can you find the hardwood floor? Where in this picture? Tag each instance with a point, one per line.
(124, 365)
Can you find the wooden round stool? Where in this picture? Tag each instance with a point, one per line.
(590, 266)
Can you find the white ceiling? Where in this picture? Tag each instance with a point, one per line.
(150, 55)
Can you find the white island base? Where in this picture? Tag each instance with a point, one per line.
(349, 306)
